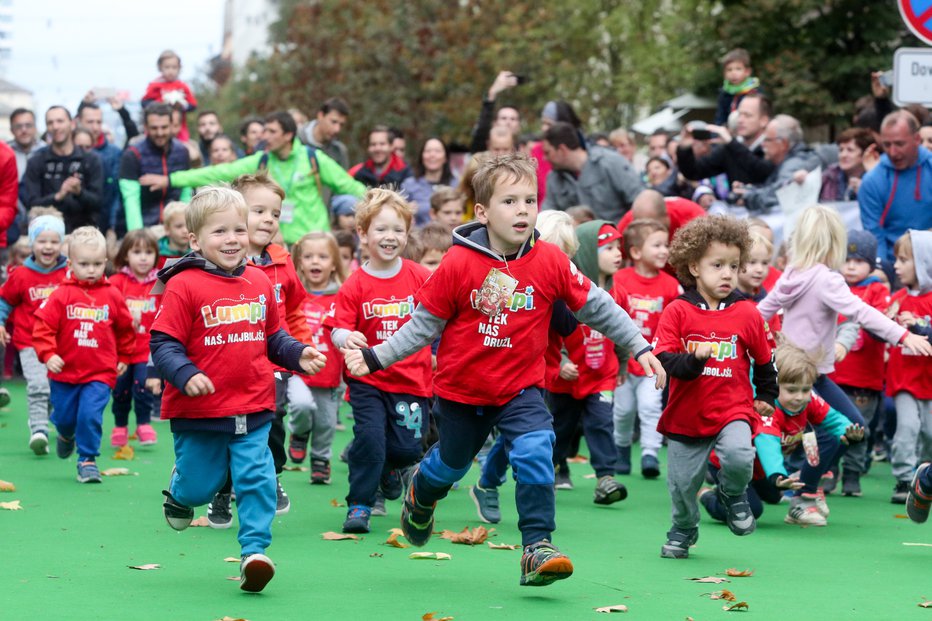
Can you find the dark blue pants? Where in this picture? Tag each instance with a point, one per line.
(387, 432)
(836, 397)
(131, 390)
(78, 412)
(495, 468)
(759, 492)
(598, 428)
(527, 428)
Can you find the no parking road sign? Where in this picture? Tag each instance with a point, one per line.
(918, 16)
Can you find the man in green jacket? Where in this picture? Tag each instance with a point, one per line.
(290, 165)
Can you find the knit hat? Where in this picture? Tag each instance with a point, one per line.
(701, 191)
(550, 111)
(862, 245)
(344, 204)
(607, 234)
(46, 223)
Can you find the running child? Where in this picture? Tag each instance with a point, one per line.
(135, 261)
(84, 334)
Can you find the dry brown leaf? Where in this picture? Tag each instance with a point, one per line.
(116, 472)
(232, 618)
(6, 486)
(296, 468)
(739, 573)
(901, 516)
(738, 606)
(336, 503)
(146, 567)
(234, 578)
(376, 555)
(710, 579)
(393, 539)
(436, 556)
(502, 546)
(13, 505)
(591, 475)
(126, 453)
(332, 536)
(232, 559)
(429, 616)
(615, 608)
(925, 604)
(468, 536)
(724, 594)
(578, 459)
(201, 521)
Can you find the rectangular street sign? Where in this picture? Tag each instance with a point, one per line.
(912, 76)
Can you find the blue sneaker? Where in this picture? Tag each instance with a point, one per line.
(64, 447)
(88, 472)
(357, 519)
(486, 503)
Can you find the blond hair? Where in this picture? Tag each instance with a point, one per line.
(818, 237)
(557, 227)
(794, 365)
(905, 244)
(173, 209)
(261, 179)
(42, 210)
(165, 56)
(88, 236)
(333, 248)
(377, 199)
(759, 240)
(210, 200)
(512, 167)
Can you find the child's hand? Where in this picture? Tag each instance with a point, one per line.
(906, 319)
(4, 336)
(55, 364)
(653, 368)
(703, 351)
(355, 363)
(800, 176)
(569, 372)
(622, 376)
(312, 361)
(199, 386)
(918, 344)
(854, 433)
(121, 368)
(155, 183)
(356, 340)
(840, 352)
(154, 385)
(764, 409)
(789, 483)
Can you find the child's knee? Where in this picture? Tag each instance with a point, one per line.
(531, 456)
(737, 458)
(438, 473)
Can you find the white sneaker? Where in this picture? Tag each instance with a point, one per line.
(39, 443)
(804, 512)
(819, 498)
(255, 571)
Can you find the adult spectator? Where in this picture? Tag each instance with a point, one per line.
(661, 176)
(64, 176)
(250, 134)
(506, 116)
(156, 153)
(840, 181)
(399, 144)
(383, 168)
(897, 194)
(208, 128)
(501, 141)
(657, 144)
(785, 149)
(597, 177)
(91, 118)
(9, 184)
(740, 158)
(623, 141)
(25, 137)
(302, 171)
(431, 169)
(673, 212)
(222, 150)
(553, 112)
(129, 126)
(322, 132)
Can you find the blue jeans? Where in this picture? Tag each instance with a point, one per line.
(201, 462)
(130, 389)
(78, 412)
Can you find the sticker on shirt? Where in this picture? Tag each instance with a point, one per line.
(596, 348)
(287, 215)
(724, 348)
(495, 293)
(227, 312)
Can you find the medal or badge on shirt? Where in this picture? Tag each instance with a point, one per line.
(496, 290)
(595, 349)
(287, 215)
(811, 447)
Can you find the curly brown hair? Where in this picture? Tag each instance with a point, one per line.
(691, 242)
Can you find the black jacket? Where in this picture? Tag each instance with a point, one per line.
(734, 159)
(45, 173)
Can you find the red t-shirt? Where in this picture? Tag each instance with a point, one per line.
(907, 372)
(863, 367)
(701, 407)
(486, 360)
(142, 306)
(647, 297)
(316, 308)
(594, 357)
(89, 326)
(25, 290)
(773, 275)
(223, 323)
(378, 307)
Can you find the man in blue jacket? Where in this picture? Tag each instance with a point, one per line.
(897, 194)
(91, 118)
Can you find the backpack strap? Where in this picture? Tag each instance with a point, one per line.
(264, 160)
(315, 169)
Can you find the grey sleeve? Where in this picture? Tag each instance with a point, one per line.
(846, 334)
(602, 313)
(338, 337)
(627, 182)
(420, 331)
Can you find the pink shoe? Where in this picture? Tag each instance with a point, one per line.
(118, 437)
(146, 435)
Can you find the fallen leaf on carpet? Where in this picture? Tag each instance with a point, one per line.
(924, 545)
(925, 604)
(232, 559)
(502, 546)
(436, 556)
(591, 475)
(393, 539)
(13, 505)
(146, 567)
(710, 579)
(375, 555)
(468, 536)
(116, 472)
(234, 578)
(429, 616)
(133, 436)
(739, 573)
(332, 536)
(734, 607)
(616, 608)
(901, 516)
(201, 521)
(232, 618)
(6, 486)
(296, 468)
(578, 459)
(724, 594)
(690, 619)
(126, 453)
(336, 503)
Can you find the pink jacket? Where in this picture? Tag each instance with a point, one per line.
(811, 300)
